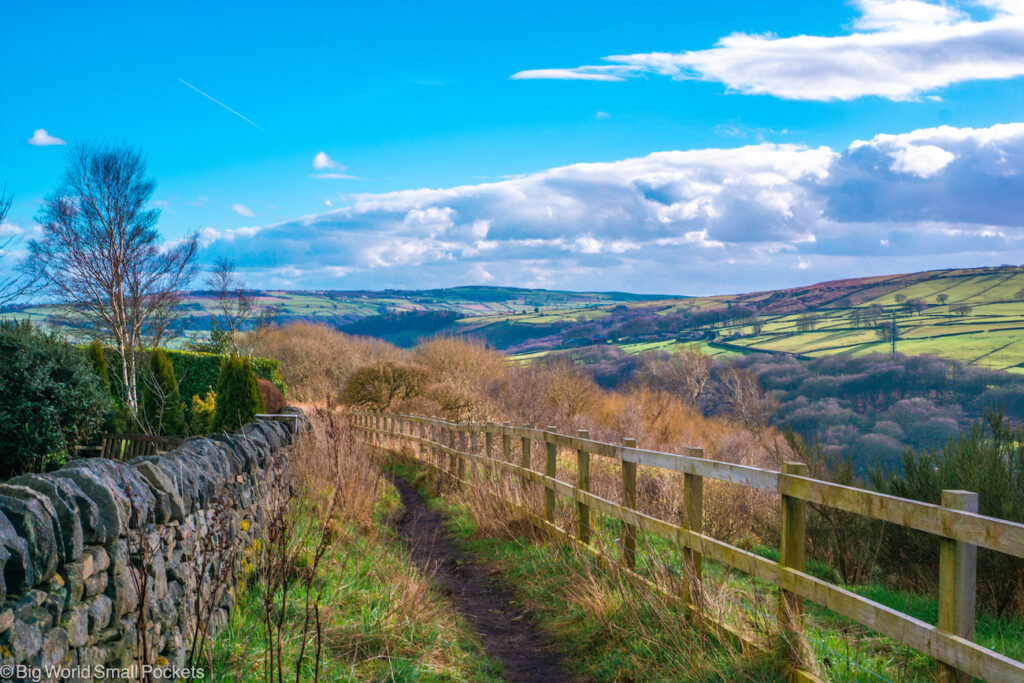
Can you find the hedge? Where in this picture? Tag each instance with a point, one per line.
(197, 373)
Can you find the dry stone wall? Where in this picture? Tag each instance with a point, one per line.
(80, 545)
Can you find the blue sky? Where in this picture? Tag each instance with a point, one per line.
(675, 147)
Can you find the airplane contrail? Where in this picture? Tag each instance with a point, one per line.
(216, 101)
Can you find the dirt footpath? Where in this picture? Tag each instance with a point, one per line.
(506, 630)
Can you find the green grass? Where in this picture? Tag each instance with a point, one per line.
(376, 626)
(606, 629)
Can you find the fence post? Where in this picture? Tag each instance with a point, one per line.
(629, 502)
(792, 547)
(506, 443)
(489, 449)
(524, 460)
(421, 447)
(583, 484)
(474, 445)
(451, 450)
(693, 500)
(438, 442)
(463, 439)
(550, 470)
(958, 565)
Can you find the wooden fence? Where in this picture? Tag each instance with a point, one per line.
(960, 529)
(126, 446)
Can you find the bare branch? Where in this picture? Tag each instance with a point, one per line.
(235, 303)
(101, 257)
(14, 281)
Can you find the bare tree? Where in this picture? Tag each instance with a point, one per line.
(101, 256)
(236, 305)
(685, 373)
(13, 281)
(747, 401)
(961, 309)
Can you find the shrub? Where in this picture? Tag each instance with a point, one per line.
(382, 385)
(50, 399)
(316, 360)
(238, 395)
(202, 412)
(162, 409)
(197, 373)
(990, 463)
(273, 399)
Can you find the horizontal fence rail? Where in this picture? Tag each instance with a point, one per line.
(956, 522)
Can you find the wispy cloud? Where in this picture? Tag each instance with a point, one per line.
(752, 217)
(221, 104)
(898, 49)
(243, 210)
(583, 73)
(40, 138)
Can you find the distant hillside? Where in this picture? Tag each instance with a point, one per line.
(399, 315)
(973, 315)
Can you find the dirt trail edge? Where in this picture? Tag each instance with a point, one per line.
(504, 628)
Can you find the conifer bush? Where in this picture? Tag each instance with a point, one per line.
(238, 395)
(162, 408)
(94, 352)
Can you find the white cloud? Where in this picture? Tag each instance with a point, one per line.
(921, 160)
(40, 138)
(698, 221)
(601, 115)
(328, 169)
(899, 50)
(8, 230)
(243, 210)
(322, 162)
